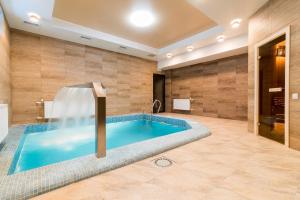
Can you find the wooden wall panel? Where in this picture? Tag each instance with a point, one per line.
(272, 17)
(218, 89)
(5, 87)
(41, 66)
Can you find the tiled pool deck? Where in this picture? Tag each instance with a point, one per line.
(40, 180)
(231, 164)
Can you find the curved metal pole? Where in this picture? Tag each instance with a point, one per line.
(156, 100)
(99, 93)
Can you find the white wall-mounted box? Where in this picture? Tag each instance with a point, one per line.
(181, 104)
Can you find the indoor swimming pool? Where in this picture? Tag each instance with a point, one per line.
(39, 147)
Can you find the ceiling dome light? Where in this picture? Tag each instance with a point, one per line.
(142, 18)
(169, 55)
(189, 48)
(221, 38)
(34, 18)
(235, 23)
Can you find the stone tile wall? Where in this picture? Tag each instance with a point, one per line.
(217, 89)
(272, 17)
(5, 87)
(40, 66)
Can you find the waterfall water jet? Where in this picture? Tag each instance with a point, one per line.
(79, 106)
(72, 107)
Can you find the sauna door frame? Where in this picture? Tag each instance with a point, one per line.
(286, 32)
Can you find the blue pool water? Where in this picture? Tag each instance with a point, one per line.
(47, 147)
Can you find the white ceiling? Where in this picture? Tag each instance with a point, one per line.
(222, 12)
(172, 20)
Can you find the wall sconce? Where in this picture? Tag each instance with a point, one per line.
(280, 51)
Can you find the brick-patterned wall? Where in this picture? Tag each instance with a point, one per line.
(40, 66)
(217, 89)
(272, 17)
(5, 88)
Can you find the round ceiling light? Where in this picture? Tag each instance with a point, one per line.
(235, 23)
(142, 18)
(221, 38)
(169, 55)
(189, 48)
(34, 18)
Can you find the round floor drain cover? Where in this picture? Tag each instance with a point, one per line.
(163, 162)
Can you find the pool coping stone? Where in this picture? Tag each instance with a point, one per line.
(34, 182)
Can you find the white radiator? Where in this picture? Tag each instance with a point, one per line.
(48, 111)
(3, 121)
(181, 104)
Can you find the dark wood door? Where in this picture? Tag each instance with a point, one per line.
(159, 92)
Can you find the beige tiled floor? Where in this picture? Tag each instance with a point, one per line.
(230, 164)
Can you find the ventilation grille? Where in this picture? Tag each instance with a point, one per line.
(30, 23)
(151, 55)
(85, 37)
(123, 47)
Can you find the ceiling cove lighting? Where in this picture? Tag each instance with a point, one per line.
(221, 38)
(189, 48)
(142, 18)
(34, 18)
(236, 23)
(169, 55)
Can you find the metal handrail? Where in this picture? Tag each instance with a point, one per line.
(154, 102)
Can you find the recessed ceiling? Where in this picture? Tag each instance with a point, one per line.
(176, 25)
(174, 19)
